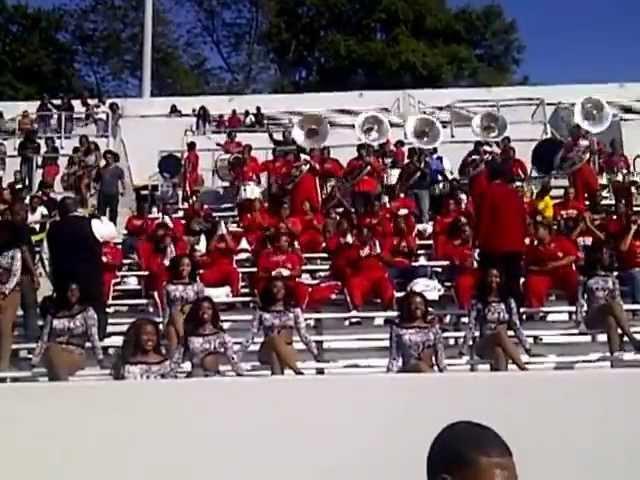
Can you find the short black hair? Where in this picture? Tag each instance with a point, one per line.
(459, 445)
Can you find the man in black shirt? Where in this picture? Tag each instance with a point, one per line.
(110, 180)
(29, 150)
(29, 282)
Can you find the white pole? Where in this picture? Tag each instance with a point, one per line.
(147, 48)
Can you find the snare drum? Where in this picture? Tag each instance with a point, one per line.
(391, 176)
(249, 191)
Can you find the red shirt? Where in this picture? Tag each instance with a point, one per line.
(614, 228)
(502, 220)
(331, 168)
(234, 121)
(231, 147)
(191, 163)
(271, 260)
(557, 248)
(568, 209)
(615, 162)
(631, 258)
(249, 172)
(369, 261)
(460, 254)
(220, 252)
(370, 183)
(111, 257)
(519, 169)
(137, 226)
(441, 231)
(398, 251)
(399, 157)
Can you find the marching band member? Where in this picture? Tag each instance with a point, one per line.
(583, 178)
(342, 251)
(282, 261)
(364, 173)
(398, 252)
(192, 181)
(231, 145)
(472, 168)
(111, 262)
(331, 169)
(443, 221)
(369, 278)
(415, 342)
(218, 264)
(459, 251)
(569, 206)
(550, 264)
(311, 239)
(629, 260)
(136, 227)
(255, 223)
(515, 165)
(249, 170)
(615, 162)
(306, 187)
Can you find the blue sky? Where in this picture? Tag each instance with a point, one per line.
(568, 41)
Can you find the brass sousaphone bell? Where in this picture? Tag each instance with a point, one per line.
(372, 128)
(311, 131)
(593, 114)
(489, 126)
(424, 131)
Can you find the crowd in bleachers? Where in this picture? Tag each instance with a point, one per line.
(207, 121)
(506, 246)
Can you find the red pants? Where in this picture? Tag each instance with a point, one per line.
(107, 281)
(537, 286)
(363, 287)
(585, 182)
(308, 296)
(307, 189)
(222, 276)
(465, 287)
(311, 241)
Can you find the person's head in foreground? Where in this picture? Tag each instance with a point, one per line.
(470, 451)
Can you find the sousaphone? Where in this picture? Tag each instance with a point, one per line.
(372, 128)
(489, 126)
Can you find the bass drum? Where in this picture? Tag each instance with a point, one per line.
(545, 155)
(225, 164)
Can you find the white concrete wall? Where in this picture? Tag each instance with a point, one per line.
(573, 425)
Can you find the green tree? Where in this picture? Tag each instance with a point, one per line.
(34, 59)
(108, 38)
(373, 44)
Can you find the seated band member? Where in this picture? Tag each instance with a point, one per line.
(459, 251)
(205, 341)
(218, 263)
(369, 277)
(67, 329)
(136, 227)
(492, 313)
(550, 264)
(629, 261)
(398, 253)
(415, 342)
(111, 262)
(141, 356)
(255, 223)
(604, 308)
(569, 206)
(278, 317)
(312, 222)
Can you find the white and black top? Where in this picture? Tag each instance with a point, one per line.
(178, 295)
(164, 368)
(210, 341)
(407, 344)
(73, 330)
(486, 317)
(10, 270)
(274, 321)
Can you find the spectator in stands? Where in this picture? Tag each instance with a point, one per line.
(218, 263)
(4, 127)
(550, 265)
(67, 329)
(25, 123)
(277, 318)
(234, 121)
(92, 156)
(221, 123)
(66, 116)
(629, 260)
(469, 450)
(17, 187)
(3, 163)
(44, 116)
(141, 356)
(543, 202)
(10, 275)
(248, 120)
(205, 341)
(415, 342)
(116, 115)
(37, 214)
(181, 290)
(45, 191)
(174, 111)
(259, 118)
(111, 186)
(75, 256)
(101, 117)
(492, 313)
(50, 157)
(28, 150)
(604, 307)
(502, 210)
(203, 120)
(369, 276)
(231, 145)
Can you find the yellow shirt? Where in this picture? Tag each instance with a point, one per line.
(545, 207)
